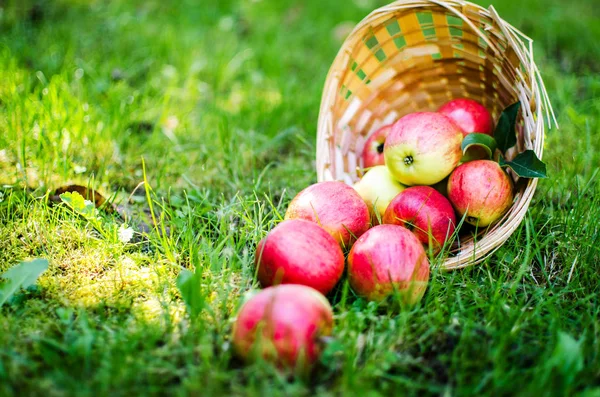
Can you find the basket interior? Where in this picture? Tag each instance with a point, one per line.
(416, 59)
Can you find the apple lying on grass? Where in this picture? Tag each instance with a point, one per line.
(372, 154)
(283, 325)
(481, 190)
(336, 207)
(469, 115)
(299, 252)
(388, 260)
(426, 212)
(377, 188)
(423, 148)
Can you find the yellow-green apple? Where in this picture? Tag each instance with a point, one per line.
(426, 212)
(336, 207)
(283, 325)
(299, 252)
(372, 154)
(388, 260)
(469, 115)
(423, 148)
(378, 187)
(481, 190)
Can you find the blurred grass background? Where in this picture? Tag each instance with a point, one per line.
(221, 100)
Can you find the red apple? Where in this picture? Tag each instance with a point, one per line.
(426, 212)
(469, 115)
(283, 325)
(299, 252)
(482, 190)
(336, 207)
(372, 154)
(423, 148)
(388, 259)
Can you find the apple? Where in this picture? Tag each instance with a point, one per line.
(423, 148)
(372, 154)
(426, 212)
(481, 190)
(377, 188)
(336, 207)
(283, 325)
(469, 115)
(386, 260)
(299, 252)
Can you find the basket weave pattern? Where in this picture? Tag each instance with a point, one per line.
(415, 56)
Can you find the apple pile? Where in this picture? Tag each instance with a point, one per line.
(423, 173)
(428, 167)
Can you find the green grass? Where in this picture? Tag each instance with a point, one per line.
(219, 100)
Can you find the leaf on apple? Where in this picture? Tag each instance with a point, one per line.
(526, 165)
(478, 146)
(505, 134)
(20, 276)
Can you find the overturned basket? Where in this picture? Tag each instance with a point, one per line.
(414, 56)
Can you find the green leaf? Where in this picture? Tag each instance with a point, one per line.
(526, 165)
(478, 146)
(20, 276)
(79, 204)
(567, 357)
(190, 287)
(505, 134)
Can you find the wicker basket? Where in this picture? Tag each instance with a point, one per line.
(414, 56)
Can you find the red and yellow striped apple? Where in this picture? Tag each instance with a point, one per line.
(469, 115)
(336, 207)
(283, 325)
(426, 212)
(386, 260)
(481, 190)
(299, 252)
(372, 154)
(423, 148)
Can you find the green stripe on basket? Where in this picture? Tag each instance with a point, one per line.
(482, 43)
(429, 32)
(454, 20)
(425, 18)
(393, 27)
(345, 92)
(456, 32)
(361, 74)
(371, 42)
(400, 42)
(380, 55)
